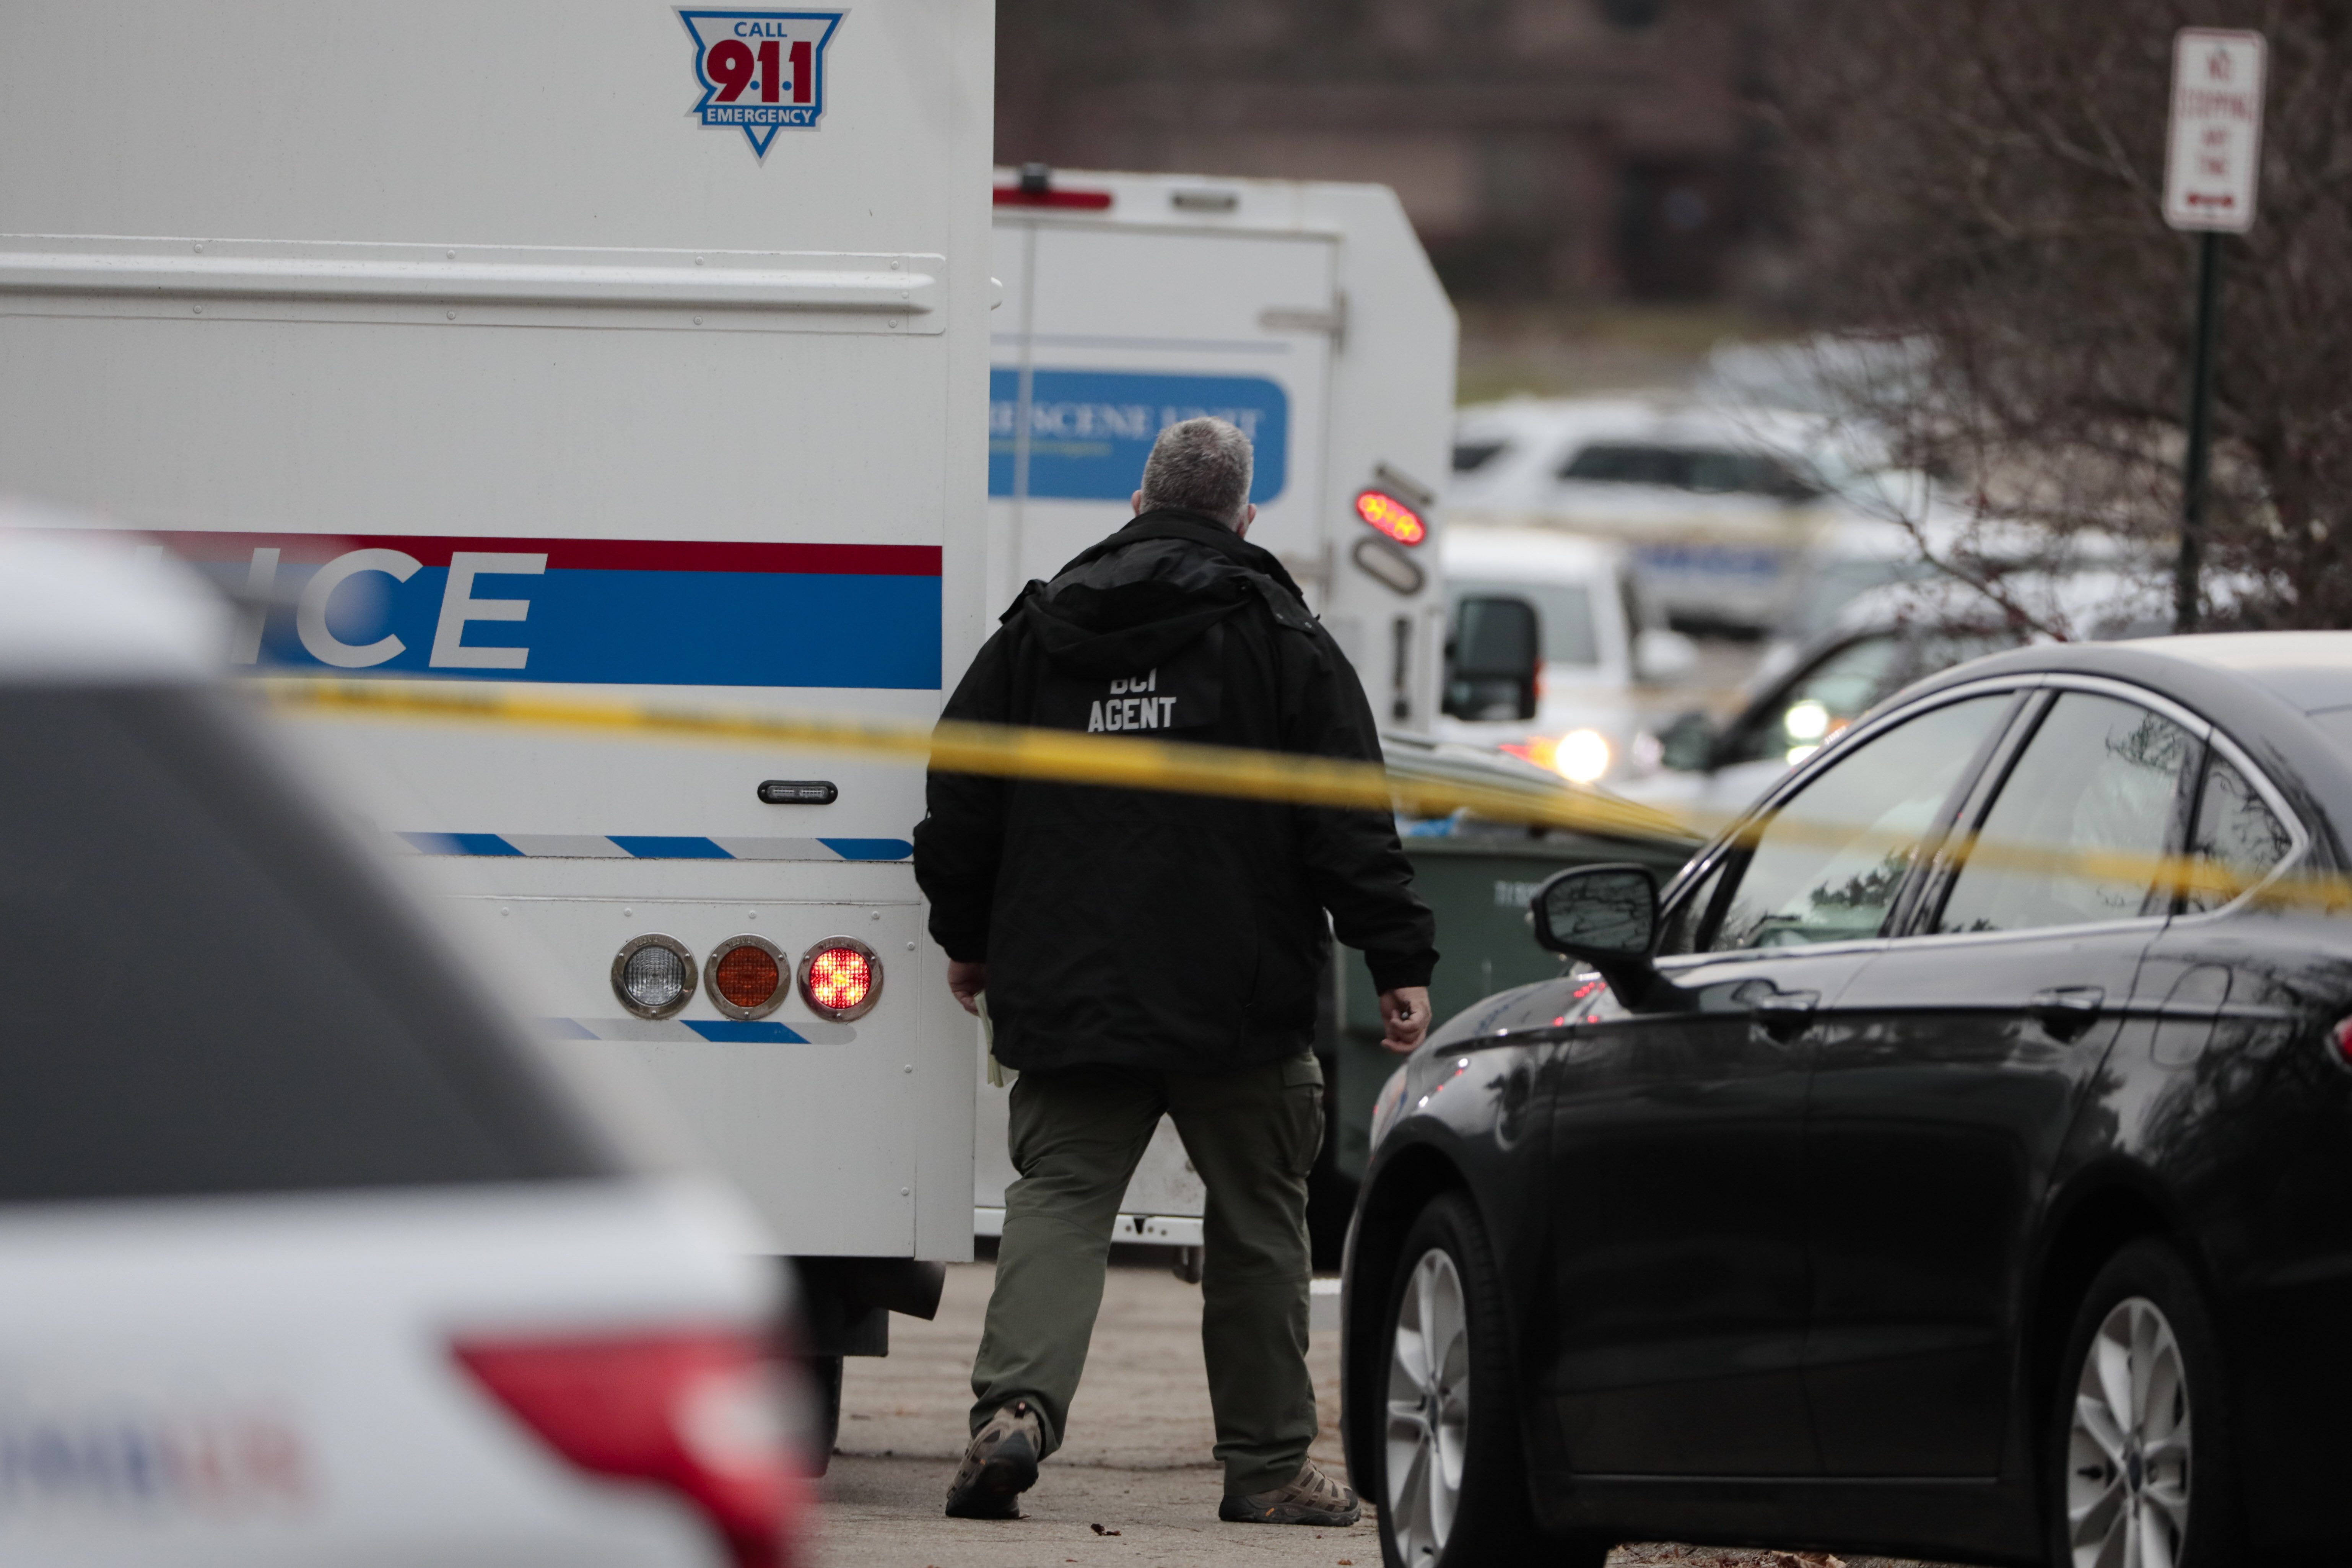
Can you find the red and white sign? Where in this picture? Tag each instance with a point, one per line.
(2213, 165)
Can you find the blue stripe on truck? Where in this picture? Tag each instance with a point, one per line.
(653, 847)
(611, 612)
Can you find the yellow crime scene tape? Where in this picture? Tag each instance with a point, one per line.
(1062, 756)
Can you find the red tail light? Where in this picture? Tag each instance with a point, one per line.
(700, 1413)
(1392, 517)
(841, 978)
(2340, 1040)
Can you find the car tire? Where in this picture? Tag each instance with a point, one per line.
(825, 1399)
(1452, 1482)
(2139, 1438)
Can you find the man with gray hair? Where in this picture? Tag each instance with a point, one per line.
(1143, 953)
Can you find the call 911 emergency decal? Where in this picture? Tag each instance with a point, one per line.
(762, 71)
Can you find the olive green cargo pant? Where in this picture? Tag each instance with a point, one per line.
(1076, 1134)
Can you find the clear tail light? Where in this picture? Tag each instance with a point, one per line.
(702, 1414)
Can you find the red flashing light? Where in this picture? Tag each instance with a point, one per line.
(841, 979)
(1084, 201)
(698, 1413)
(1390, 516)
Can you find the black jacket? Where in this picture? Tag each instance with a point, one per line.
(1172, 932)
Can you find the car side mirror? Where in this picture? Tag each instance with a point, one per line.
(1662, 656)
(1493, 658)
(1688, 746)
(1605, 915)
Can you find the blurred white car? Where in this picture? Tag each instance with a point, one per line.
(1736, 517)
(309, 1255)
(1880, 642)
(1553, 642)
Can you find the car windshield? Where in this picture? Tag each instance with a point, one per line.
(1564, 610)
(1706, 471)
(206, 994)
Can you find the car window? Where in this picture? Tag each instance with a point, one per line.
(2237, 832)
(1706, 471)
(1469, 457)
(1840, 688)
(1565, 610)
(207, 995)
(1826, 865)
(2098, 778)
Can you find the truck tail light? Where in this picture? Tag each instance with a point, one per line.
(747, 977)
(841, 978)
(653, 975)
(2339, 1042)
(702, 1414)
(1390, 516)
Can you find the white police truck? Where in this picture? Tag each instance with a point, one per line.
(1305, 312)
(631, 351)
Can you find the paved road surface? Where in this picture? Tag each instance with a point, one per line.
(1136, 1461)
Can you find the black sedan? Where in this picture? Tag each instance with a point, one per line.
(1955, 1160)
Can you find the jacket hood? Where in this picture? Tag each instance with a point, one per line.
(1147, 591)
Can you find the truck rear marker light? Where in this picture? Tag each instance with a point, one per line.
(1035, 189)
(747, 977)
(1390, 516)
(653, 975)
(702, 1414)
(841, 979)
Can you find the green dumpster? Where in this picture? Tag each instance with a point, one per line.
(1477, 874)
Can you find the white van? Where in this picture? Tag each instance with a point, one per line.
(1307, 313)
(590, 348)
(1556, 651)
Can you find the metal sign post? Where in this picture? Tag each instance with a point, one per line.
(2211, 175)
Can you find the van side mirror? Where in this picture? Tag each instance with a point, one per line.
(1605, 915)
(1492, 659)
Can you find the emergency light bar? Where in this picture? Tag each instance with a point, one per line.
(1390, 516)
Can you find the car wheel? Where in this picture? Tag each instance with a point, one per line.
(1452, 1486)
(2140, 1463)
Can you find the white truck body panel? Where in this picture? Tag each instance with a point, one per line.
(457, 331)
(1306, 312)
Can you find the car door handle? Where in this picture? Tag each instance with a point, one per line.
(2065, 1011)
(1784, 1014)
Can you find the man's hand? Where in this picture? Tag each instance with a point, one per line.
(1404, 1010)
(967, 980)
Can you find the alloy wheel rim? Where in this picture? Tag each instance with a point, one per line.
(1429, 1409)
(2128, 1452)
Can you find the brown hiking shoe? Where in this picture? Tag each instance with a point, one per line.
(1312, 1498)
(1000, 1465)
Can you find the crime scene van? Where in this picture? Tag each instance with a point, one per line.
(1305, 312)
(605, 349)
